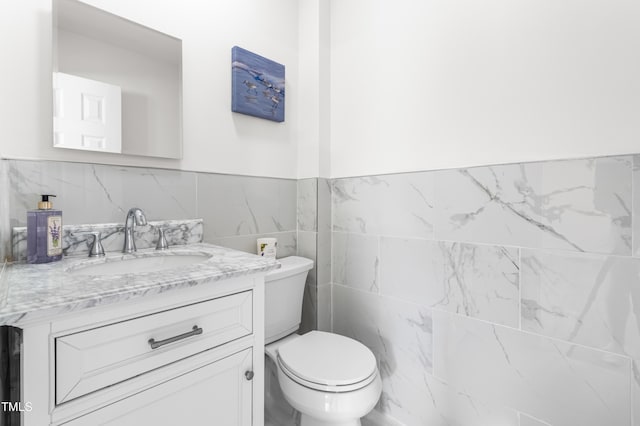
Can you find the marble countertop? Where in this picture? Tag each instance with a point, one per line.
(28, 290)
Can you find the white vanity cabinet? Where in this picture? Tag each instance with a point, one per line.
(191, 356)
(215, 394)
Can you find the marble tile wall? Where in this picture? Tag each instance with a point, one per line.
(504, 295)
(313, 242)
(530, 421)
(307, 217)
(236, 209)
(498, 295)
(577, 205)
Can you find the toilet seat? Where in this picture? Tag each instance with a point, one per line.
(324, 387)
(327, 362)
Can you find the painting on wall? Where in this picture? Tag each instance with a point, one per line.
(257, 85)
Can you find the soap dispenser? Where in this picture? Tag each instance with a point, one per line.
(44, 232)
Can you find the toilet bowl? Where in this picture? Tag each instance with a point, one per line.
(332, 380)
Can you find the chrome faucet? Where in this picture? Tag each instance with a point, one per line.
(135, 216)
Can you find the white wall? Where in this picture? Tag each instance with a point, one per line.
(314, 81)
(414, 84)
(428, 84)
(215, 139)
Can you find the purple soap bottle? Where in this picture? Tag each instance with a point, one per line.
(44, 232)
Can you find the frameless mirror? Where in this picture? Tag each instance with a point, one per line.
(117, 85)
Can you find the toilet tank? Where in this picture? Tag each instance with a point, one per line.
(283, 292)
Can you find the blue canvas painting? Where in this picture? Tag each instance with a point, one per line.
(257, 85)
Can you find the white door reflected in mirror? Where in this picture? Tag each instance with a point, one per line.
(86, 114)
(93, 44)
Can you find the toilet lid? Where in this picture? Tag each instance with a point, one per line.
(328, 359)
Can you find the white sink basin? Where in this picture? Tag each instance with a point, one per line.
(135, 265)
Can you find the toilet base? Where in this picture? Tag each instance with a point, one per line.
(306, 420)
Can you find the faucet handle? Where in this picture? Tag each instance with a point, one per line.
(162, 241)
(96, 249)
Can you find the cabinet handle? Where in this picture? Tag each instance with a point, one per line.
(194, 332)
(248, 375)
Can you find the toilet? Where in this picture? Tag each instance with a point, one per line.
(331, 380)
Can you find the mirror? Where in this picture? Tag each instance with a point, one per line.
(117, 85)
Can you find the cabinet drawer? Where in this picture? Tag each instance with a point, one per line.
(93, 359)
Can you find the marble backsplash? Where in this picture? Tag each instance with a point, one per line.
(76, 242)
(235, 210)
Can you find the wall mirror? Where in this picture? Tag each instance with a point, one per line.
(117, 85)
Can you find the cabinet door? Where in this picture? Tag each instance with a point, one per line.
(216, 394)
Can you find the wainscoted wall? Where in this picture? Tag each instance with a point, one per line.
(236, 209)
(505, 295)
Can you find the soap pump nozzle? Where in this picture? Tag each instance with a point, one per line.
(45, 204)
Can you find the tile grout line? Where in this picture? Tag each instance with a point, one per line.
(378, 276)
(554, 251)
(330, 186)
(434, 234)
(317, 251)
(519, 289)
(433, 348)
(633, 173)
(486, 322)
(197, 179)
